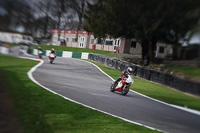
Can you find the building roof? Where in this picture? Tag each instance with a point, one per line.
(69, 31)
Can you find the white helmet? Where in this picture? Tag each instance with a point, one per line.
(129, 70)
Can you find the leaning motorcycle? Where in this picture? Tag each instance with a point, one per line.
(123, 85)
(51, 58)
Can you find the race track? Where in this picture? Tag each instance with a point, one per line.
(84, 83)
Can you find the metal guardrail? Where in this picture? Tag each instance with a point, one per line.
(181, 84)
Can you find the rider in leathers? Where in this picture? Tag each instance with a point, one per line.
(129, 71)
(52, 52)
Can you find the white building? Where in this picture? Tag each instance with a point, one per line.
(11, 37)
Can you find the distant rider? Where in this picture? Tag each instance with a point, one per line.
(40, 52)
(21, 50)
(52, 52)
(40, 49)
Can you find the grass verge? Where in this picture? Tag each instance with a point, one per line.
(63, 48)
(8, 44)
(189, 71)
(43, 112)
(13, 44)
(157, 91)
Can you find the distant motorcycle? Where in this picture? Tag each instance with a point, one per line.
(40, 54)
(122, 86)
(51, 57)
(21, 50)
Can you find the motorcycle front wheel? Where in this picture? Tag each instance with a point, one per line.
(51, 61)
(112, 88)
(125, 90)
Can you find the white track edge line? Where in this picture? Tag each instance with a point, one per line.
(29, 73)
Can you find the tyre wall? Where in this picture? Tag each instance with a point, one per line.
(181, 84)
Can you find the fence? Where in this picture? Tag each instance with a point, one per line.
(66, 54)
(181, 84)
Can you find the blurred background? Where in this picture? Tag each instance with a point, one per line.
(38, 17)
(161, 38)
(162, 29)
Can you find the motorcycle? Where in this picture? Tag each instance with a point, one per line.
(21, 50)
(40, 54)
(51, 58)
(123, 85)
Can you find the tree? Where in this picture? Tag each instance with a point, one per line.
(109, 17)
(59, 11)
(147, 21)
(44, 15)
(17, 13)
(79, 7)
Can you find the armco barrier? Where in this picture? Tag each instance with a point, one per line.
(59, 53)
(66, 54)
(181, 84)
(76, 55)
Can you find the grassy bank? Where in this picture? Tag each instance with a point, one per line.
(43, 112)
(157, 91)
(189, 71)
(63, 48)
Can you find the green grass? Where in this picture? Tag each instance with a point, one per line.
(43, 112)
(9, 44)
(13, 44)
(63, 48)
(189, 71)
(157, 91)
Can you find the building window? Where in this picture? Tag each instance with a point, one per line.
(99, 41)
(161, 49)
(74, 39)
(67, 39)
(92, 41)
(108, 42)
(133, 44)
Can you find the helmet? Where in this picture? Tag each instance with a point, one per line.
(129, 70)
(52, 50)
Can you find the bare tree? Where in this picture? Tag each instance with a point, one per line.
(43, 15)
(23, 15)
(79, 7)
(44, 11)
(60, 8)
(18, 13)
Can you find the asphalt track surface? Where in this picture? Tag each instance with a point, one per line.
(84, 83)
